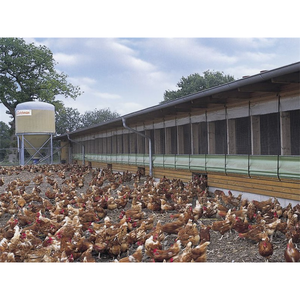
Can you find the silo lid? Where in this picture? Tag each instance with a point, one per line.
(35, 105)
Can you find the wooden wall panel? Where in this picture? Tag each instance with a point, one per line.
(267, 186)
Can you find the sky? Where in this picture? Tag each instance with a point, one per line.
(130, 74)
(124, 56)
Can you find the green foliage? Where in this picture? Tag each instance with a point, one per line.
(96, 116)
(69, 119)
(4, 135)
(4, 139)
(195, 83)
(27, 73)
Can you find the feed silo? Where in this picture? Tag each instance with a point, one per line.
(35, 127)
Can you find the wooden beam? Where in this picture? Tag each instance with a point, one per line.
(290, 78)
(233, 94)
(182, 108)
(261, 87)
(217, 100)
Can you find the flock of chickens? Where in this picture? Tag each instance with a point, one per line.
(68, 221)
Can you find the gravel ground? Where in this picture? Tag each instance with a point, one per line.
(229, 248)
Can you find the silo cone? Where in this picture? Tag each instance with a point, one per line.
(33, 143)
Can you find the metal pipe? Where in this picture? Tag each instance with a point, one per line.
(250, 138)
(22, 151)
(227, 139)
(51, 150)
(150, 144)
(279, 125)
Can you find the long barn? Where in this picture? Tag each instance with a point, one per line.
(243, 136)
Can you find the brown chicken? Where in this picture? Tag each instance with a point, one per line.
(265, 248)
(172, 227)
(221, 226)
(87, 256)
(189, 233)
(156, 232)
(164, 255)
(166, 206)
(291, 254)
(184, 256)
(198, 253)
(137, 256)
(293, 232)
(255, 233)
(251, 211)
(209, 210)
(262, 205)
(152, 243)
(197, 211)
(50, 194)
(240, 226)
(204, 233)
(271, 227)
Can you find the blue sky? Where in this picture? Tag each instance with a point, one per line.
(129, 74)
(129, 66)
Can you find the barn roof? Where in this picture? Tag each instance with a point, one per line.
(265, 82)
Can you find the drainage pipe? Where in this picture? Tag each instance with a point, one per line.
(150, 145)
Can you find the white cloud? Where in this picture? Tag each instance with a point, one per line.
(255, 43)
(258, 56)
(129, 107)
(64, 59)
(88, 81)
(106, 96)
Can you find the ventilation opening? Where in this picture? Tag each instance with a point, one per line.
(142, 171)
(201, 179)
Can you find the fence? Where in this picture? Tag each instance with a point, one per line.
(10, 157)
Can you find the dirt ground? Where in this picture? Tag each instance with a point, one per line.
(227, 248)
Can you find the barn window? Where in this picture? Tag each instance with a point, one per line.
(295, 132)
(221, 137)
(203, 144)
(242, 135)
(186, 139)
(270, 134)
(126, 143)
(173, 140)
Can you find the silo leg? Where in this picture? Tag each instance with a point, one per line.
(22, 151)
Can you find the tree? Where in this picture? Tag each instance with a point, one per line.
(195, 83)
(67, 119)
(96, 116)
(27, 73)
(4, 139)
